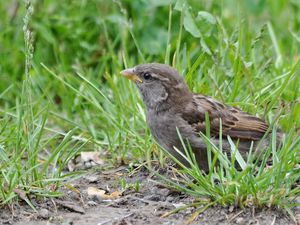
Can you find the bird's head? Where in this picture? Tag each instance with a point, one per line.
(161, 86)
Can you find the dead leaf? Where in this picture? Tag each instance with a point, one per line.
(21, 194)
(91, 157)
(92, 191)
(85, 160)
(114, 195)
(71, 165)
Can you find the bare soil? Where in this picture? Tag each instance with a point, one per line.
(144, 205)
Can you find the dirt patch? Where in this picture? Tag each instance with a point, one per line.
(143, 201)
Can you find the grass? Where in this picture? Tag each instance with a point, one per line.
(253, 184)
(61, 92)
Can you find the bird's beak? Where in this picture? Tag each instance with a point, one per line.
(131, 75)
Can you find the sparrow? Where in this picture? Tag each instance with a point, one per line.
(171, 108)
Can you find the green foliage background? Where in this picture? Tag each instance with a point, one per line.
(244, 53)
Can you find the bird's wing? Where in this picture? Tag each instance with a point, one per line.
(235, 123)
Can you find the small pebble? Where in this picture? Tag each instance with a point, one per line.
(170, 199)
(239, 220)
(44, 213)
(92, 203)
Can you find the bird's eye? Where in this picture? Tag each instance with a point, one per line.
(147, 76)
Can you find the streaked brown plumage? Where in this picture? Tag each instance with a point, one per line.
(171, 105)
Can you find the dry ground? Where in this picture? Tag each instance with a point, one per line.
(143, 207)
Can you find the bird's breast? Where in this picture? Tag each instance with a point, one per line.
(163, 127)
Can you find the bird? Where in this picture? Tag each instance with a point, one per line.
(171, 108)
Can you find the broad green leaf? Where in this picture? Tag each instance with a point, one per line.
(190, 24)
(206, 16)
(180, 5)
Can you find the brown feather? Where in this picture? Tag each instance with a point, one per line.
(235, 123)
